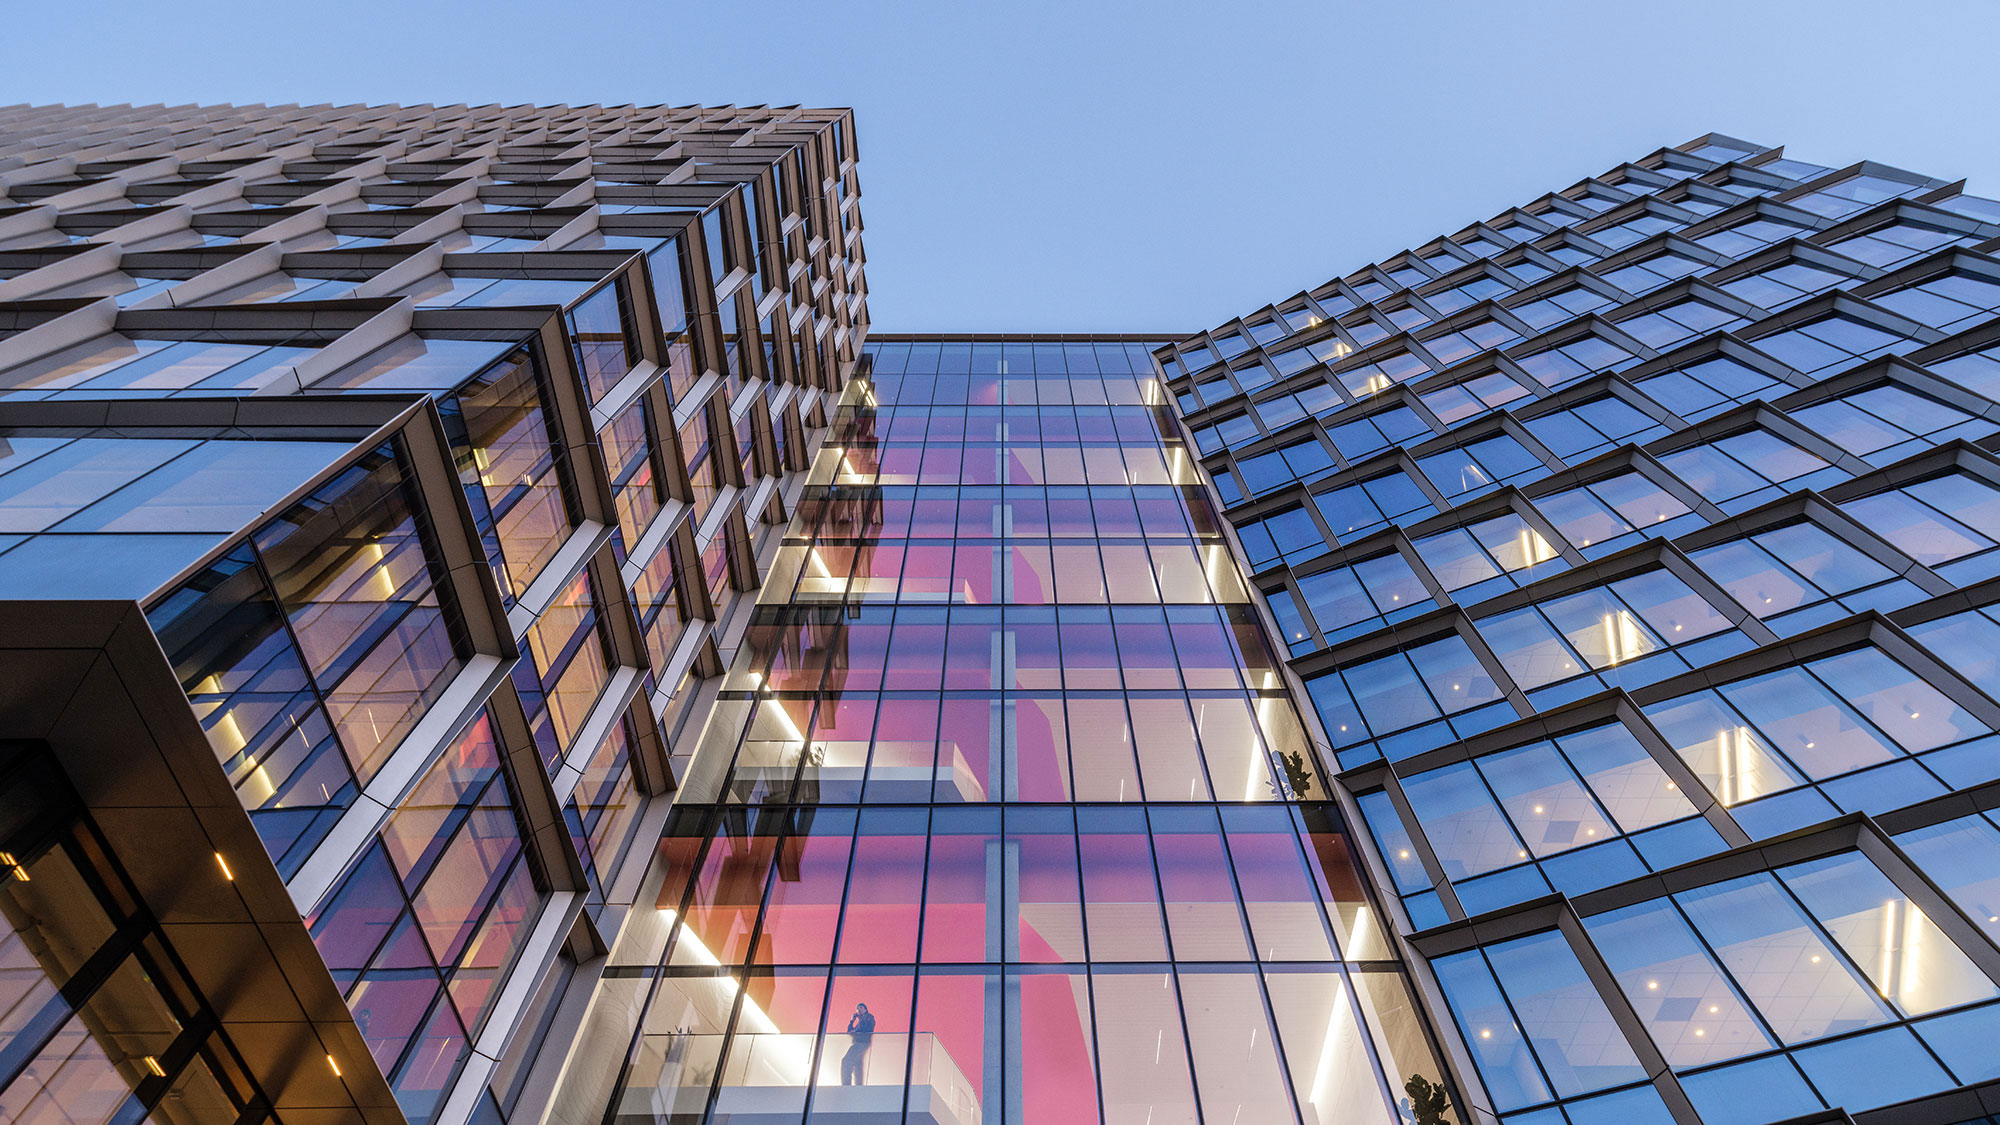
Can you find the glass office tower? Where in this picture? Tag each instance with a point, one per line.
(487, 635)
(1635, 550)
(382, 492)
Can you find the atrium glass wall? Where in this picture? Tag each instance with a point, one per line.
(1005, 814)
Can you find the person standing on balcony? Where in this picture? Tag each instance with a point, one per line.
(861, 1030)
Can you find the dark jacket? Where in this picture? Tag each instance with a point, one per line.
(862, 1026)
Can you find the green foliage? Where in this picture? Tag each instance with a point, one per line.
(1428, 1103)
(1297, 777)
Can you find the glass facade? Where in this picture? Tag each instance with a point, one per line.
(421, 931)
(1650, 628)
(310, 649)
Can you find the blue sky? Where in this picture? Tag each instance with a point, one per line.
(1064, 165)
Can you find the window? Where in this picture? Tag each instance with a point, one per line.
(115, 367)
(1630, 632)
(1469, 341)
(1975, 371)
(1697, 966)
(721, 251)
(1357, 509)
(1407, 702)
(695, 449)
(1476, 395)
(1300, 319)
(1527, 270)
(656, 593)
(1962, 857)
(423, 929)
(1654, 271)
(1800, 576)
(1466, 471)
(1604, 516)
(514, 472)
(1699, 200)
(1683, 320)
(1592, 427)
(1848, 724)
(1481, 288)
(1289, 534)
(605, 341)
(1404, 316)
(1753, 184)
(1566, 363)
(1887, 423)
(1967, 644)
(1948, 523)
(603, 811)
(1970, 205)
(1902, 240)
(1784, 285)
(1365, 596)
(1708, 387)
(1745, 469)
(568, 667)
(1834, 340)
(1334, 303)
(1442, 260)
(333, 658)
(1853, 194)
(1488, 557)
(1305, 460)
(1573, 813)
(1949, 303)
(1380, 374)
(1636, 229)
(1370, 290)
(1406, 275)
(1375, 432)
(1751, 235)
(1537, 1028)
(1568, 304)
(1277, 413)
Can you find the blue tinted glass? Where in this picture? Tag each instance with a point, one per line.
(418, 364)
(1965, 1041)
(1502, 889)
(218, 486)
(1774, 816)
(1640, 1105)
(1426, 910)
(1574, 873)
(98, 566)
(1751, 1093)
(1873, 1070)
(1497, 1043)
(1674, 844)
(47, 489)
(1581, 1049)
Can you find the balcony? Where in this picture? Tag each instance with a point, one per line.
(763, 1081)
